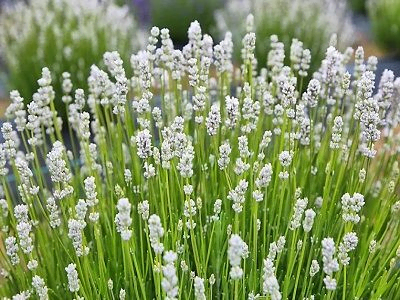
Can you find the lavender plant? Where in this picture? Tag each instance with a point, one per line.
(65, 35)
(197, 180)
(313, 22)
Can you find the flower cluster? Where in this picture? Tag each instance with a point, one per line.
(237, 250)
(197, 178)
(123, 219)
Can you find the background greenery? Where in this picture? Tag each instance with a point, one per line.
(64, 36)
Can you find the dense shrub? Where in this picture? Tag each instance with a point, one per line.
(199, 180)
(65, 35)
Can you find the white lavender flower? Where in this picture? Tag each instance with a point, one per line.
(318, 202)
(296, 52)
(351, 206)
(298, 211)
(90, 191)
(217, 210)
(184, 266)
(250, 110)
(21, 213)
(199, 203)
(73, 280)
(156, 232)
(237, 195)
(3, 161)
(10, 146)
(81, 209)
(157, 116)
(237, 250)
(25, 175)
(362, 175)
(32, 264)
(336, 133)
(211, 280)
(276, 55)
(40, 287)
(330, 283)
(270, 283)
(266, 139)
(367, 112)
(386, 89)
(57, 165)
(122, 294)
(75, 233)
(349, 243)
(66, 87)
(258, 196)
(110, 284)
(24, 295)
(305, 62)
(185, 165)
(25, 241)
(199, 290)
(169, 283)
(123, 219)
(314, 268)
(114, 64)
(189, 208)
(149, 170)
(189, 212)
(372, 63)
(12, 249)
(223, 54)
(285, 158)
(16, 110)
(359, 66)
(372, 246)
(276, 247)
(188, 189)
(241, 166)
(232, 111)
(243, 145)
(311, 96)
(224, 152)
(84, 126)
(213, 120)
(328, 251)
(308, 220)
(143, 143)
(144, 209)
(249, 44)
(54, 217)
(265, 176)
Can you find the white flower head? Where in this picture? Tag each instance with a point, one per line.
(123, 219)
(237, 250)
(73, 280)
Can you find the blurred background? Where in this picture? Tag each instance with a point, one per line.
(71, 35)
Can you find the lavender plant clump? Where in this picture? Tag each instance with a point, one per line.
(195, 178)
